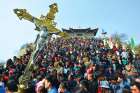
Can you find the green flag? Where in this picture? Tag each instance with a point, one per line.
(132, 43)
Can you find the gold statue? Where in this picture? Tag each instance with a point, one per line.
(47, 26)
(44, 22)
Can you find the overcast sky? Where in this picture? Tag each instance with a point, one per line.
(122, 16)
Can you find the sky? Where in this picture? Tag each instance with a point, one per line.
(122, 16)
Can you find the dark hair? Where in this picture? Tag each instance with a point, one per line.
(137, 84)
(12, 86)
(126, 90)
(64, 85)
(85, 84)
(50, 79)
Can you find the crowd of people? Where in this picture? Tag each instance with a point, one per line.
(75, 65)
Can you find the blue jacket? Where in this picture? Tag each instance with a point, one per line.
(53, 90)
(2, 88)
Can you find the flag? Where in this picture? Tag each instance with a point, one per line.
(132, 43)
(110, 42)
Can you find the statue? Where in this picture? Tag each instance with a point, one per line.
(46, 26)
(42, 23)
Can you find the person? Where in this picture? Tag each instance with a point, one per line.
(109, 72)
(126, 90)
(40, 85)
(2, 87)
(104, 84)
(49, 84)
(84, 87)
(12, 87)
(137, 64)
(93, 84)
(135, 88)
(114, 85)
(63, 88)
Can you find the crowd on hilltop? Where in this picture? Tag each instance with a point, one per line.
(75, 65)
